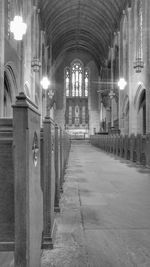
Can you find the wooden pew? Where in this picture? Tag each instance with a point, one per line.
(7, 217)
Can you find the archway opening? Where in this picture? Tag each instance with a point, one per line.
(7, 104)
(142, 110)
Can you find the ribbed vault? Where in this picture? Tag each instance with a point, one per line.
(81, 24)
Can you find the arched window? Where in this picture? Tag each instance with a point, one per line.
(67, 81)
(70, 115)
(86, 81)
(142, 109)
(76, 72)
(76, 80)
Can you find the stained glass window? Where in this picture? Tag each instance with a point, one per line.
(86, 81)
(67, 81)
(77, 79)
(70, 115)
(75, 82)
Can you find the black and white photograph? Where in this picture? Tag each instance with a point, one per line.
(74, 133)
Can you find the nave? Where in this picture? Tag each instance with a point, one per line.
(104, 218)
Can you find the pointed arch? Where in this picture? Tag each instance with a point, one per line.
(125, 108)
(13, 78)
(139, 91)
(140, 106)
(10, 90)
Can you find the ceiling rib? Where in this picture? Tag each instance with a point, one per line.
(86, 25)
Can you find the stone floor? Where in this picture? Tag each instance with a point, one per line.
(105, 213)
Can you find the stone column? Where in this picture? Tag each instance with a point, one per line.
(57, 170)
(35, 63)
(61, 161)
(28, 193)
(119, 108)
(2, 42)
(130, 72)
(112, 91)
(146, 49)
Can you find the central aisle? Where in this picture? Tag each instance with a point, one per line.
(105, 213)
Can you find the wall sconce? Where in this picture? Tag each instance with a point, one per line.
(18, 28)
(122, 83)
(45, 83)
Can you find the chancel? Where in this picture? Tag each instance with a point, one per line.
(74, 133)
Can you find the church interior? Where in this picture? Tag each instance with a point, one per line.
(74, 76)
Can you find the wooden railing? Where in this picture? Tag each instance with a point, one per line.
(134, 148)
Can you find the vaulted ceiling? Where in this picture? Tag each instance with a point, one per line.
(86, 25)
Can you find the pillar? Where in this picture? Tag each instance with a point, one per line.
(61, 160)
(36, 64)
(146, 50)
(57, 170)
(112, 90)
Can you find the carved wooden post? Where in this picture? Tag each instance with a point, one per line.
(57, 172)
(48, 185)
(61, 161)
(107, 143)
(113, 140)
(28, 193)
(125, 146)
(138, 148)
(117, 138)
(131, 146)
(135, 149)
(121, 146)
(148, 150)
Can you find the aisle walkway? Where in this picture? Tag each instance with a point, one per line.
(105, 213)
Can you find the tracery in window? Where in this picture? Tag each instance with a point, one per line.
(86, 80)
(76, 80)
(67, 81)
